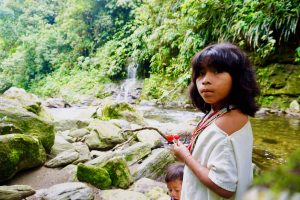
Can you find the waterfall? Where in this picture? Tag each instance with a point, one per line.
(129, 83)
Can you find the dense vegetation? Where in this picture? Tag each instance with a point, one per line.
(52, 46)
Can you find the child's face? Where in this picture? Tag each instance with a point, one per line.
(213, 86)
(174, 188)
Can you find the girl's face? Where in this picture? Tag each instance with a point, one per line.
(174, 188)
(213, 86)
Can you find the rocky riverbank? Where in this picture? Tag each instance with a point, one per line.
(88, 140)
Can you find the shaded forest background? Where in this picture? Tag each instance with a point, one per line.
(62, 47)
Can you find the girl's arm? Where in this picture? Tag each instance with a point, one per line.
(183, 154)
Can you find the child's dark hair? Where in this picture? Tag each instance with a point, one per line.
(226, 57)
(174, 172)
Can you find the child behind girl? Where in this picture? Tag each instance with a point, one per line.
(173, 179)
(218, 160)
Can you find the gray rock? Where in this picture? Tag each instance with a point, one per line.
(15, 192)
(294, 106)
(79, 133)
(83, 151)
(144, 185)
(118, 194)
(103, 158)
(63, 159)
(70, 124)
(70, 170)
(63, 191)
(60, 145)
(154, 165)
(103, 135)
(96, 153)
(136, 152)
(55, 103)
(150, 137)
(29, 101)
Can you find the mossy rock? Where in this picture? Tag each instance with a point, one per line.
(28, 101)
(121, 110)
(12, 114)
(114, 110)
(119, 172)
(285, 177)
(95, 175)
(18, 152)
(279, 84)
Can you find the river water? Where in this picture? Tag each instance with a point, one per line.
(274, 137)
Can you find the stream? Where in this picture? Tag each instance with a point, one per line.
(274, 137)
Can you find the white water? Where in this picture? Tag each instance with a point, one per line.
(128, 86)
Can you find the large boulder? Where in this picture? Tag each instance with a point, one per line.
(18, 152)
(29, 101)
(154, 166)
(121, 110)
(119, 172)
(95, 175)
(111, 173)
(136, 152)
(20, 120)
(103, 135)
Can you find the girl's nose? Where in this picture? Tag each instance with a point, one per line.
(206, 79)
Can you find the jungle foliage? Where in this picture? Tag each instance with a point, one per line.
(47, 44)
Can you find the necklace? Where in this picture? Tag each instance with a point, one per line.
(205, 122)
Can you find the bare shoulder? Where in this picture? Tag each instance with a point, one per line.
(232, 121)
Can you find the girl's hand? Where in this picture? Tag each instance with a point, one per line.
(180, 151)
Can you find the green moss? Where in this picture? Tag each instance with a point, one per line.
(114, 110)
(285, 177)
(31, 125)
(279, 102)
(279, 85)
(129, 157)
(96, 176)
(18, 152)
(119, 172)
(14, 156)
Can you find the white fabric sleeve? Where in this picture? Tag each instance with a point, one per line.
(222, 166)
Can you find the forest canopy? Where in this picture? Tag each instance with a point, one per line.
(46, 44)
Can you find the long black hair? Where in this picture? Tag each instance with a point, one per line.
(226, 57)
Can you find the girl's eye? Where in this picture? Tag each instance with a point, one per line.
(215, 71)
(201, 73)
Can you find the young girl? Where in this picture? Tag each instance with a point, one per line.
(219, 157)
(173, 179)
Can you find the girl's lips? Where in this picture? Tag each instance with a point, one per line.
(206, 90)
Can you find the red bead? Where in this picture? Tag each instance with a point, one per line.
(170, 138)
(176, 137)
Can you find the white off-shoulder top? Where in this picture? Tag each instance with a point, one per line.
(228, 158)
